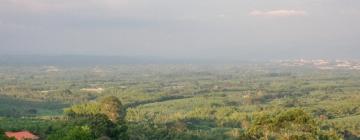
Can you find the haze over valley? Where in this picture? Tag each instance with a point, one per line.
(179, 70)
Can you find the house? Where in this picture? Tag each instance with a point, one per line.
(22, 135)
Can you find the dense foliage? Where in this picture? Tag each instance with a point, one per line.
(89, 124)
(244, 101)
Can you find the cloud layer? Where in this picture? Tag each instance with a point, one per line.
(63, 5)
(181, 28)
(278, 13)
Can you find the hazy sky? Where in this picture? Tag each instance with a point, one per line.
(227, 29)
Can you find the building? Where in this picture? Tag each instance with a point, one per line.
(22, 135)
(98, 90)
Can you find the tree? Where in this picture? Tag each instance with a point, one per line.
(105, 119)
(73, 133)
(101, 126)
(79, 133)
(294, 124)
(112, 108)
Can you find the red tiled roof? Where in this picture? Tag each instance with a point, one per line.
(21, 135)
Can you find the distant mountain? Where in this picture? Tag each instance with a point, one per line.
(72, 60)
(84, 60)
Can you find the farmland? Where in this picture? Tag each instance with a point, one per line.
(187, 101)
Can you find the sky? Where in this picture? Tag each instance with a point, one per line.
(191, 29)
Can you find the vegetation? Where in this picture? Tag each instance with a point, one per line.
(145, 102)
(3, 137)
(104, 122)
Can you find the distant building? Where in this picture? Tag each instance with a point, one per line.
(98, 90)
(22, 135)
(51, 69)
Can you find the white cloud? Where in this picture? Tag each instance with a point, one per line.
(278, 13)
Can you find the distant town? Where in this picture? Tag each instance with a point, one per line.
(322, 64)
